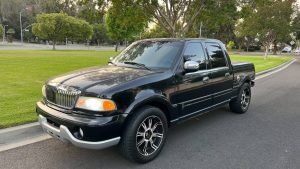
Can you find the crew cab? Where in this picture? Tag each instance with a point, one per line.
(150, 86)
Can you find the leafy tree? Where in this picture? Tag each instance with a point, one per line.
(124, 20)
(156, 32)
(296, 25)
(218, 19)
(9, 14)
(175, 16)
(58, 26)
(100, 35)
(244, 36)
(269, 21)
(10, 33)
(1, 29)
(92, 10)
(230, 45)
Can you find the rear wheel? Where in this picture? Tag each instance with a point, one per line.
(241, 104)
(145, 135)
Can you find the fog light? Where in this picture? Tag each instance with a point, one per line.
(80, 132)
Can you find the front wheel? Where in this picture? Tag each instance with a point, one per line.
(144, 135)
(241, 104)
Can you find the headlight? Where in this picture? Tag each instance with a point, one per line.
(95, 104)
(44, 90)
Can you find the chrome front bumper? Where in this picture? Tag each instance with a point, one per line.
(63, 133)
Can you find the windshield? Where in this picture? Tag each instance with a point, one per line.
(150, 54)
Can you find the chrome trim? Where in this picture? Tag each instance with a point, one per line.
(198, 111)
(197, 102)
(63, 133)
(65, 96)
(199, 98)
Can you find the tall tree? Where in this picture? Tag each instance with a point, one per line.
(270, 21)
(58, 26)
(92, 10)
(216, 20)
(124, 20)
(175, 16)
(296, 26)
(156, 32)
(1, 29)
(100, 35)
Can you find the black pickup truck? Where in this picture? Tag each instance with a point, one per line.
(150, 86)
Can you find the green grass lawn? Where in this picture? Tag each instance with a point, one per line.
(260, 63)
(24, 72)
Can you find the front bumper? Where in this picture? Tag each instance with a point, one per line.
(98, 131)
(62, 133)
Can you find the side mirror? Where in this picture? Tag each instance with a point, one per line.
(191, 66)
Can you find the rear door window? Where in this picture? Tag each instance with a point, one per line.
(216, 55)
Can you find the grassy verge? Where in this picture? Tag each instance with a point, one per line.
(24, 72)
(260, 63)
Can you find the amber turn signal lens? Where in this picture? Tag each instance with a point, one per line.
(109, 105)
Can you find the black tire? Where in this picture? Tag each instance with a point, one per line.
(136, 132)
(241, 104)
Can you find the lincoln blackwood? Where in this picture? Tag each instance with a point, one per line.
(150, 86)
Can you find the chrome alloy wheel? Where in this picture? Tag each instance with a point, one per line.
(245, 99)
(149, 135)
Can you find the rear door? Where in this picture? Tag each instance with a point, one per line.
(221, 76)
(193, 89)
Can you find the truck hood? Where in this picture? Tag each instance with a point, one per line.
(100, 77)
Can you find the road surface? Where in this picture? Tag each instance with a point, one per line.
(267, 137)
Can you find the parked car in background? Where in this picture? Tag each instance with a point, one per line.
(287, 49)
(150, 86)
(296, 51)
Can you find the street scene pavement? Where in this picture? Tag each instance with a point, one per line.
(266, 137)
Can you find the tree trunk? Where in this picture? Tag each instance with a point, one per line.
(266, 52)
(117, 46)
(54, 43)
(275, 48)
(240, 48)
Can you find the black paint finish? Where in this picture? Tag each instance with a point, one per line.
(179, 94)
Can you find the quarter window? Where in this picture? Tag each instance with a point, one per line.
(216, 55)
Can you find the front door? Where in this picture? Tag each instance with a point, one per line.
(193, 89)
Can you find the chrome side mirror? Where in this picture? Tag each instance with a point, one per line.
(191, 66)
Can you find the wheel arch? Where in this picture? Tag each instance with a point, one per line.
(155, 101)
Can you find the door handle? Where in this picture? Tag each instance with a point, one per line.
(227, 75)
(205, 79)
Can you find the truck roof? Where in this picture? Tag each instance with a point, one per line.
(183, 39)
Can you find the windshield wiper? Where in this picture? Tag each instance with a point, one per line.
(137, 64)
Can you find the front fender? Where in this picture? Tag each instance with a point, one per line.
(150, 97)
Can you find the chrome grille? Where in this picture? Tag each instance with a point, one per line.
(63, 96)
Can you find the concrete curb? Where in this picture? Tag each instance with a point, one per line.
(21, 135)
(275, 68)
(18, 136)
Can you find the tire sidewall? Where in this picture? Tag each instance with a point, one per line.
(245, 86)
(131, 129)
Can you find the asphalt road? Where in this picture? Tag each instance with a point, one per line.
(267, 137)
